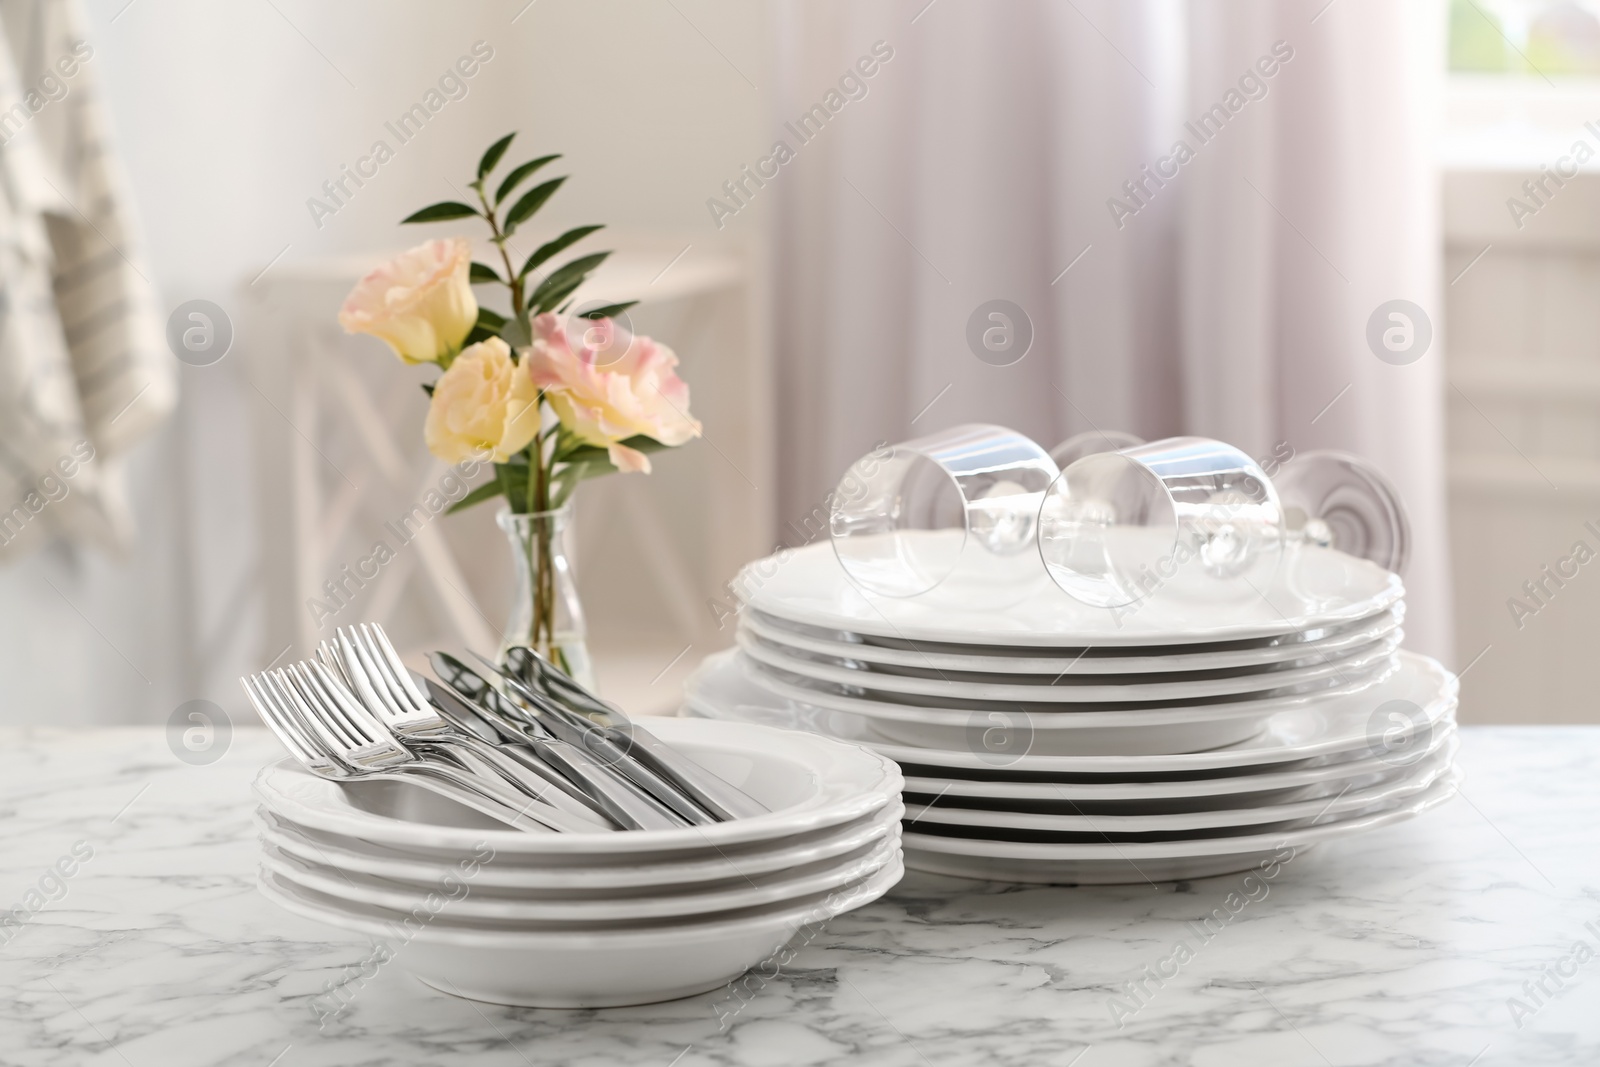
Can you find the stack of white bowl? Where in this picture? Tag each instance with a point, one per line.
(1050, 741)
(590, 919)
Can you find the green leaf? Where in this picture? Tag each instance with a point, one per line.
(444, 209)
(580, 453)
(560, 283)
(608, 311)
(564, 483)
(640, 443)
(487, 491)
(489, 324)
(515, 178)
(555, 247)
(482, 273)
(511, 481)
(515, 333)
(427, 387)
(531, 201)
(492, 156)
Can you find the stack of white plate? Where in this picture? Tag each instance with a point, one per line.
(597, 919)
(1050, 741)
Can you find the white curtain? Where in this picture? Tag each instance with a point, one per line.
(988, 160)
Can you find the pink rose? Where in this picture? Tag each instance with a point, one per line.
(607, 385)
(420, 302)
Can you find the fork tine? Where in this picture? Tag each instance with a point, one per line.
(360, 666)
(330, 659)
(293, 711)
(320, 690)
(331, 729)
(372, 692)
(379, 656)
(291, 737)
(316, 735)
(397, 665)
(343, 702)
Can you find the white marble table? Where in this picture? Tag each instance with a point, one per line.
(1402, 948)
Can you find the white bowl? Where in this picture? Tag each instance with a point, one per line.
(1140, 861)
(1327, 725)
(925, 656)
(1326, 799)
(610, 879)
(587, 969)
(1067, 690)
(471, 901)
(1188, 727)
(809, 782)
(1234, 788)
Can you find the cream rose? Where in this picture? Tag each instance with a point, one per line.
(607, 385)
(420, 302)
(482, 404)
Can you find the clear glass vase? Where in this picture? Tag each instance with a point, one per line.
(546, 614)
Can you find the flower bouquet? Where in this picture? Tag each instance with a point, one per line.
(551, 395)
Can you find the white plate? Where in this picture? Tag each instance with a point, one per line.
(1313, 587)
(1154, 861)
(1236, 787)
(1047, 716)
(929, 658)
(809, 782)
(1321, 727)
(1064, 688)
(526, 905)
(1332, 801)
(1007, 729)
(729, 865)
(563, 968)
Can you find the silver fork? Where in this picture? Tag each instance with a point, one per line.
(328, 755)
(386, 690)
(338, 705)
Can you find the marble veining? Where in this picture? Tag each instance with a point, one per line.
(1412, 946)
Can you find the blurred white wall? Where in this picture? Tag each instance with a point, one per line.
(229, 117)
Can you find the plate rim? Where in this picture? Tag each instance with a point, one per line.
(1436, 794)
(748, 584)
(1443, 701)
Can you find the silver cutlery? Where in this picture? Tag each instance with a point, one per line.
(711, 792)
(598, 741)
(532, 749)
(373, 669)
(618, 797)
(332, 752)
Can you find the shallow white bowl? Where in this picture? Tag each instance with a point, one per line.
(1195, 727)
(932, 657)
(809, 782)
(1328, 725)
(469, 901)
(1230, 788)
(1067, 688)
(1326, 799)
(1139, 861)
(610, 879)
(587, 969)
